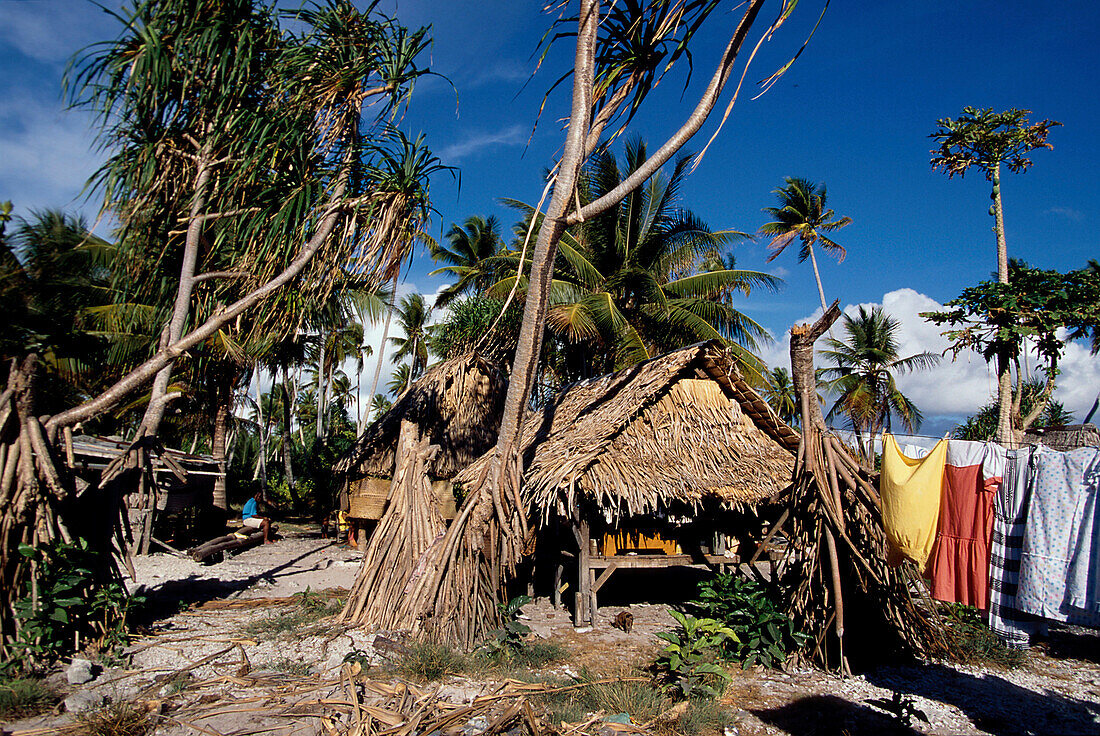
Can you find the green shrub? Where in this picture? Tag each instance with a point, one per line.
(22, 698)
(71, 607)
(690, 659)
(764, 634)
(973, 642)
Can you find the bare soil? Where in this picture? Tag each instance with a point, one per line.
(230, 652)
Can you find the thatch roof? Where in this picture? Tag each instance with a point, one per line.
(457, 403)
(676, 428)
(1064, 438)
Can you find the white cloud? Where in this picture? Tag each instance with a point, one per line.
(957, 388)
(46, 156)
(510, 136)
(1067, 212)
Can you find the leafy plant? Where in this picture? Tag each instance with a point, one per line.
(511, 633)
(66, 606)
(691, 654)
(431, 661)
(973, 642)
(764, 634)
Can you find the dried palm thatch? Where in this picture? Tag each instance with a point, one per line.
(836, 539)
(397, 551)
(457, 404)
(1064, 438)
(675, 429)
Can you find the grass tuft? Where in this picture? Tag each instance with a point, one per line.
(640, 700)
(290, 667)
(703, 716)
(430, 662)
(23, 697)
(307, 614)
(117, 719)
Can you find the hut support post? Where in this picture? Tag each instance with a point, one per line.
(583, 598)
(559, 571)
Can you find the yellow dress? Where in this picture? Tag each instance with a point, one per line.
(911, 501)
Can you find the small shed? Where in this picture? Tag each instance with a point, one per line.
(457, 403)
(628, 461)
(182, 481)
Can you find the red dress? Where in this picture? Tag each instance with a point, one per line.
(959, 564)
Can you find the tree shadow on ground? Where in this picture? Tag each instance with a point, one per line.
(1071, 642)
(829, 715)
(991, 702)
(165, 600)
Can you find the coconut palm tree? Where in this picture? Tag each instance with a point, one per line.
(644, 277)
(802, 214)
(470, 247)
(400, 380)
(780, 395)
(412, 316)
(863, 373)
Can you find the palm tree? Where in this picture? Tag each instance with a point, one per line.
(400, 380)
(780, 395)
(802, 214)
(470, 247)
(863, 374)
(646, 276)
(412, 316)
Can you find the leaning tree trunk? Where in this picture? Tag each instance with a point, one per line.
(836, 555)
(456, 597)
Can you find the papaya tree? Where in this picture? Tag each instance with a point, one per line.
(987, 140)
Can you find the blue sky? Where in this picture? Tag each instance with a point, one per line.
(855, 112)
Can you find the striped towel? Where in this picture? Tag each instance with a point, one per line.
(1012, 625)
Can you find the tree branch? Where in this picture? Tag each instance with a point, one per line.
(687, 130)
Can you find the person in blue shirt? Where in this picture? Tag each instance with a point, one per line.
(251, 518)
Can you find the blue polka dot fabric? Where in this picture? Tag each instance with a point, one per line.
(1060, 561)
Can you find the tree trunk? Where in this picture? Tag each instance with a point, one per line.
(321, 390)
(288, 442)
(223, 397)
(381, 356)
(817, 277)
(1005, 433)
(173, 331)
(455, 599)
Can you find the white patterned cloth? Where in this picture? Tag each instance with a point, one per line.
(1060, 561)
(1014, 627)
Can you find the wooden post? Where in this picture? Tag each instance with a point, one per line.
(558, 572)
(584, 569)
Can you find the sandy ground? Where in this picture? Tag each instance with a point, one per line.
(242, 679)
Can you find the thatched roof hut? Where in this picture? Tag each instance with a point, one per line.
(678, 428)
(1064, 438)
(457, 403)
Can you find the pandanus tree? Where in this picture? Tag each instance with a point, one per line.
(640, 279)
(621, 51)
(238, 152)
(802, 215)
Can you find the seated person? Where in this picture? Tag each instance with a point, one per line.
(250, 518)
